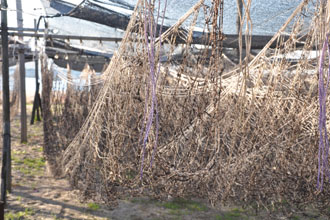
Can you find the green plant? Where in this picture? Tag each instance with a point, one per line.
(14, 216)
(37, 163)
(29, 166)
(18, 152)
(39, 149)
(93, 206)
(172, 205)
(19, 215)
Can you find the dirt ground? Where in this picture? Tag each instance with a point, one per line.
(36, 195)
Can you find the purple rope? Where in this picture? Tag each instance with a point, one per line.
(145, 130)
(157, 131)
(151, 31)
(144, 114)
(156, 102)
(323, 152)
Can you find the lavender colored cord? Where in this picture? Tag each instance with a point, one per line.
(323, 152)
(150, 32)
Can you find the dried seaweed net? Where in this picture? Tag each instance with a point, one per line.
(229, 135)
(14, 95)
(66, 101)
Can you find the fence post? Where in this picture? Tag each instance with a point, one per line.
(21, 59)
(6, 156)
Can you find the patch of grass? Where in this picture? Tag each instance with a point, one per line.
(190, 205)
(38, 149)
(234, 214)
(172, 205)
(93, 206)
(19, 215)
(219, 217)
(14, 216)
(16, 152)
(15, 159)
(36, 163)
(29, 166)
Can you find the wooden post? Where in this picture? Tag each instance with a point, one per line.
(6, 156)
(37, 100)
(21, 59)
(2, 210)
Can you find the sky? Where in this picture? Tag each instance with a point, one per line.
(268, 15)
(32, 9)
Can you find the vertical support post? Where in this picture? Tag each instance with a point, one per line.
(21, 59)
(37, 100)
(2, 210)
(6, 155)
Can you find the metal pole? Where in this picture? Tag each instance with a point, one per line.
(6, 157)
(65, 37)
(21, 59)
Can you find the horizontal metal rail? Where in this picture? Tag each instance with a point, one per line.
(24, 29)
(66, 37)
(229, 40)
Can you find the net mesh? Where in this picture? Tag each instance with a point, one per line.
(223, 133)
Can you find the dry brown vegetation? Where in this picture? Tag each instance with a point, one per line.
(249, 134)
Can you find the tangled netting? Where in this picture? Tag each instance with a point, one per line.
(224, 133)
